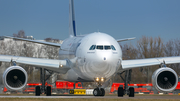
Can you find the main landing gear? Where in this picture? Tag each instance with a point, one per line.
(127, 90)
(99, 91)
(43, 89)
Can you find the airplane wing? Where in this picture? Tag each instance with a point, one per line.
(61, 66)
(36, 41)
(129, 64)
(126, 39)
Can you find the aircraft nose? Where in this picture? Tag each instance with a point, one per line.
(105, 56)
(101, 64)
(104, 65)
(103, 59)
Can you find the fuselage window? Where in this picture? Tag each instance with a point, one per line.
(99, 47)
(107, 47)
(113, 48)
(92, 47)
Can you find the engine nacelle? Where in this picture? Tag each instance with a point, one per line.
(15, 78)
(165, 79)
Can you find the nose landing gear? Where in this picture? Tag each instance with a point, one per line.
(99, 91)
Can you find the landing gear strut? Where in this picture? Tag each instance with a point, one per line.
(127, 90)
(43, 89)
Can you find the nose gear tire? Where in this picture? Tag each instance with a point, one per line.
(96, 92)
(102, 92)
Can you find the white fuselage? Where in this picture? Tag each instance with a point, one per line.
(95, 55)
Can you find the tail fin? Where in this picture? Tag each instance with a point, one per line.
(72, 28)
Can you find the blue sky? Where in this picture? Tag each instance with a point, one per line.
(118, 18)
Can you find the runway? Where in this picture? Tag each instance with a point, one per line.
(109, 97)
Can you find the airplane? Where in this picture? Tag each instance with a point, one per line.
(94, 57)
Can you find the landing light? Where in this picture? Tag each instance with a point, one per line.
(61, 65)
(97, 78)
(102, 79)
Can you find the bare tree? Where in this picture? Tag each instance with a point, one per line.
(52, 52)
(172, 48)
(149, 47)
(21, 34)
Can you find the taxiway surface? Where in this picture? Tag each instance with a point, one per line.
(110, 97)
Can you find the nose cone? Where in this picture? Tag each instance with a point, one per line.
(103, 65)
(102, 59)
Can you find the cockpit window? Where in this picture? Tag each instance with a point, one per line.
(107, 47)
(113, 48)
(99, 47)
(92, 47)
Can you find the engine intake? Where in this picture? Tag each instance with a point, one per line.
(15, 78)
(165, 79)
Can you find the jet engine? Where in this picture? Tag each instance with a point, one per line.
(15, 78)
(165, 79)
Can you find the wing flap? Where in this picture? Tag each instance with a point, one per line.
(128, 64)
(61, 66)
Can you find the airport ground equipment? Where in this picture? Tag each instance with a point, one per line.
(78, 91)
(89, 91)
(60, 87)
(138, 88)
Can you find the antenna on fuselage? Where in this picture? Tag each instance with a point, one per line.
(72, 27)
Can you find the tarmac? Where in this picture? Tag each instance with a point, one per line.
(110, 97)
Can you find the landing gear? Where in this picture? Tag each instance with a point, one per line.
(43, 89)
(99, 92)
(127, 90)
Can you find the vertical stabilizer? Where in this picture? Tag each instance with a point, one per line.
(72, 28)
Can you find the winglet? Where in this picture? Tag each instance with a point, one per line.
(126, 39)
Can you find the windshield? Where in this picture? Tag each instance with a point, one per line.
(113, 48)
(92, 47)
(99, 47)
(107, 47)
